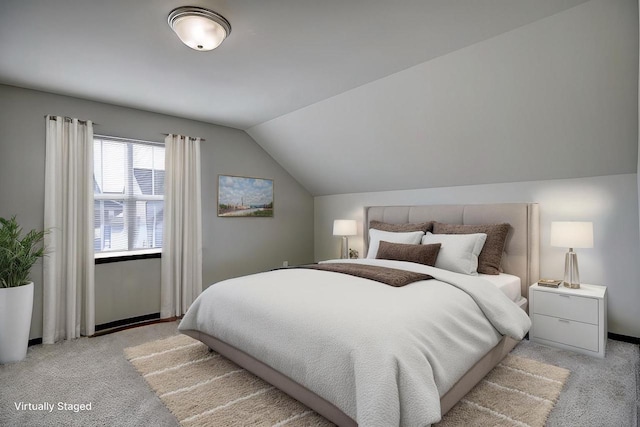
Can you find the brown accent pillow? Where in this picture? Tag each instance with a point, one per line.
(422, 254)
(490, 258)
(401, 228)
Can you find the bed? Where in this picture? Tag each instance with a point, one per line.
(333, 371)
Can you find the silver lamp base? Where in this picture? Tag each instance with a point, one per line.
(344, 253)
(571, 274)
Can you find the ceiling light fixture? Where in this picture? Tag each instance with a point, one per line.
(198, 28)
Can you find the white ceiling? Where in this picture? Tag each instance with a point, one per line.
(554, 99)
(282, 55)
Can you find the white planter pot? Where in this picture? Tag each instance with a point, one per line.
(16, 305)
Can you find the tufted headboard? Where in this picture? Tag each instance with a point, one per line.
(522, 249)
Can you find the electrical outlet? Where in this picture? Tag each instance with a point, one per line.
(285, 263)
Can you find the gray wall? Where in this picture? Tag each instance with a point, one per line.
(610, 202)
(231, 246)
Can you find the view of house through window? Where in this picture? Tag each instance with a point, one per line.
(129, 195)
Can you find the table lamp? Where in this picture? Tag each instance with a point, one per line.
(344, 228)
(571, 234)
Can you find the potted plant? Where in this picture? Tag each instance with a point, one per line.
(18, 253)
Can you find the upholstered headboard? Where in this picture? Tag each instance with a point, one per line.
(522, 248)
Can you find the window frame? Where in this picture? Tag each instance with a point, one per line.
(118, 255)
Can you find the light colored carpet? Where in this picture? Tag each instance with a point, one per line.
(599, 392)
(202, 388)
(518, 392)
(85, 370)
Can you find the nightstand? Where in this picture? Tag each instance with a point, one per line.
(572, 319)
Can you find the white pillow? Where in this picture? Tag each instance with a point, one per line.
(375, 236)
(459, 252)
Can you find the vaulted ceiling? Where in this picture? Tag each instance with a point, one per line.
(284, 59)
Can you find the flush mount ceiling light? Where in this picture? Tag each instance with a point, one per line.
(198, 28)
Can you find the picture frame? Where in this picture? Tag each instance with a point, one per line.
(242, 197)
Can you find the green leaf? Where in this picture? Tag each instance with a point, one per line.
(18, 252)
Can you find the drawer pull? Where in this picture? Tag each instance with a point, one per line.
(564, 321)
(564, 296)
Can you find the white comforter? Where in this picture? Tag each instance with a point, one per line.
(383, 355)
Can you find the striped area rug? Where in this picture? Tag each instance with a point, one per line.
(518, 392)
(202, 388)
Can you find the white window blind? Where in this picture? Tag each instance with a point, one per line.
(129, 195)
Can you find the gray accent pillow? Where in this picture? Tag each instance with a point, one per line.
(422, 254)
(490, 258)
(401, 228)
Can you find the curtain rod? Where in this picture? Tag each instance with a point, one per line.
(117, 138)
(68, 119)
(167, 134)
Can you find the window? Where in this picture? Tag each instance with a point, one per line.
(128, 196)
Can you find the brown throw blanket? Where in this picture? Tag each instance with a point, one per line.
(388, 276)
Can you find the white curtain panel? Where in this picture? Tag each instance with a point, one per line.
(182, 236)
(68, 288)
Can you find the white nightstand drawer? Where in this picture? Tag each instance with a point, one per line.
(577, 334)
(571, 307)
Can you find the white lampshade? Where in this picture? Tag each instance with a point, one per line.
(572, 234)
(345, 227)
(198, 28)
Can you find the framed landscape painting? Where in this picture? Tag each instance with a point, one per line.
(240, 196)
